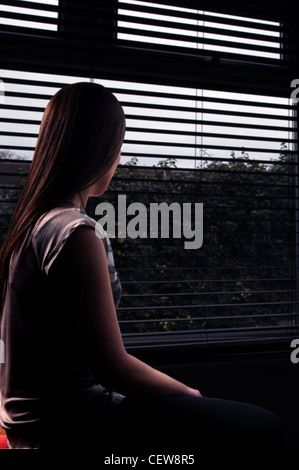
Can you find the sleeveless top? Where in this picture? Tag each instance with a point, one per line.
(48, 382)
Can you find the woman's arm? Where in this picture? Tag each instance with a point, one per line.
(82, 265)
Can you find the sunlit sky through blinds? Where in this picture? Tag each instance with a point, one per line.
(196, 32)
(25, 11)
(202, 122)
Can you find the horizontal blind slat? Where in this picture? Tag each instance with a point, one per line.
(201, 16)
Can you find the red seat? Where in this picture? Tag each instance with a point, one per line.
(3, 442)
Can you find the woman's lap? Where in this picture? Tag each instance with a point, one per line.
(183, 421)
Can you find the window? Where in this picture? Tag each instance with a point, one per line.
(207, 122)
(147, 24)
(29, 14)
(163, 122)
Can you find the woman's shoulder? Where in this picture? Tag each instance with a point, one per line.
(54, 228)
(60, 216)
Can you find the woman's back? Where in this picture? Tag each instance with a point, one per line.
(48, 369)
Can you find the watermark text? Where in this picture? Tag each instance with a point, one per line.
(2, 353)
(295, 92)
(295, 353)
(2, 91)
(154, 221)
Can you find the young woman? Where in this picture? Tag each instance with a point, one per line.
(67, 380)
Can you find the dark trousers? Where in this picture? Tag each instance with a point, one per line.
(186, 422)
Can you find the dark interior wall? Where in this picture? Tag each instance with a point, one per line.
(265, 378)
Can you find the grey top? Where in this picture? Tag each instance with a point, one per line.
(48, 378)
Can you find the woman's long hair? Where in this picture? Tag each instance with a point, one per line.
(80, 137)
